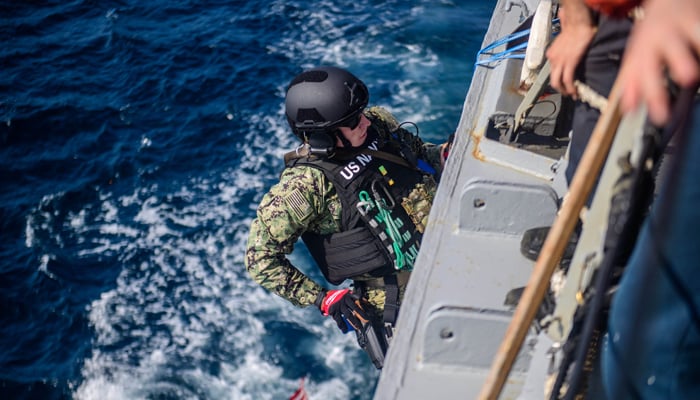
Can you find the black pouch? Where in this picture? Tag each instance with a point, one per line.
(348, 254)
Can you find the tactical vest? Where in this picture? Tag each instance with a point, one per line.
(378, 236)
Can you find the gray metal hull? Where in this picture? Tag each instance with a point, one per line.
(454, 315)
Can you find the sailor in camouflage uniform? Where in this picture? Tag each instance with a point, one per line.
(358, 192)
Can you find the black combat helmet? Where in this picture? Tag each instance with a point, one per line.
(319, 100)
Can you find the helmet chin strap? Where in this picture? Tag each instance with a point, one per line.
(343, 139)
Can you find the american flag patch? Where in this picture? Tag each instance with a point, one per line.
(298, 204)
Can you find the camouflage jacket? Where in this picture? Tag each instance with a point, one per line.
(304, 200)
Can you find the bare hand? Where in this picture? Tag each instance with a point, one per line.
(567, 50)
(666, 39)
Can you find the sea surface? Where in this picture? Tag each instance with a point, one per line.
(136, 139)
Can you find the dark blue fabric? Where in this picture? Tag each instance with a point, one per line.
(598, 70)
(653, 344)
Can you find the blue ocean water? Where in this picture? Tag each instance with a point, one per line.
(136, 138)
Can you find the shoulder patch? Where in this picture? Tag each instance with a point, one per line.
(296, 202)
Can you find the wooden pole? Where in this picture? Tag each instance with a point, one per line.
(584, 178)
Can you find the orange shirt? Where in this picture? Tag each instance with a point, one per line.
(613, 8)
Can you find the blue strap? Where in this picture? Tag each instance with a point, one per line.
(504, 40)
(425, 167)
(512, 53)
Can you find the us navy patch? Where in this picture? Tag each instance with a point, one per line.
(360, 162)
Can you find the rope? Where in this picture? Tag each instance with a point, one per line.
(590, 96)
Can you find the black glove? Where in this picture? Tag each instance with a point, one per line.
(343, 305)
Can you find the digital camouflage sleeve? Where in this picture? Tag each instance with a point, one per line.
(302, 200)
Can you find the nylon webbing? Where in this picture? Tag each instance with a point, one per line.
(391, 303)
